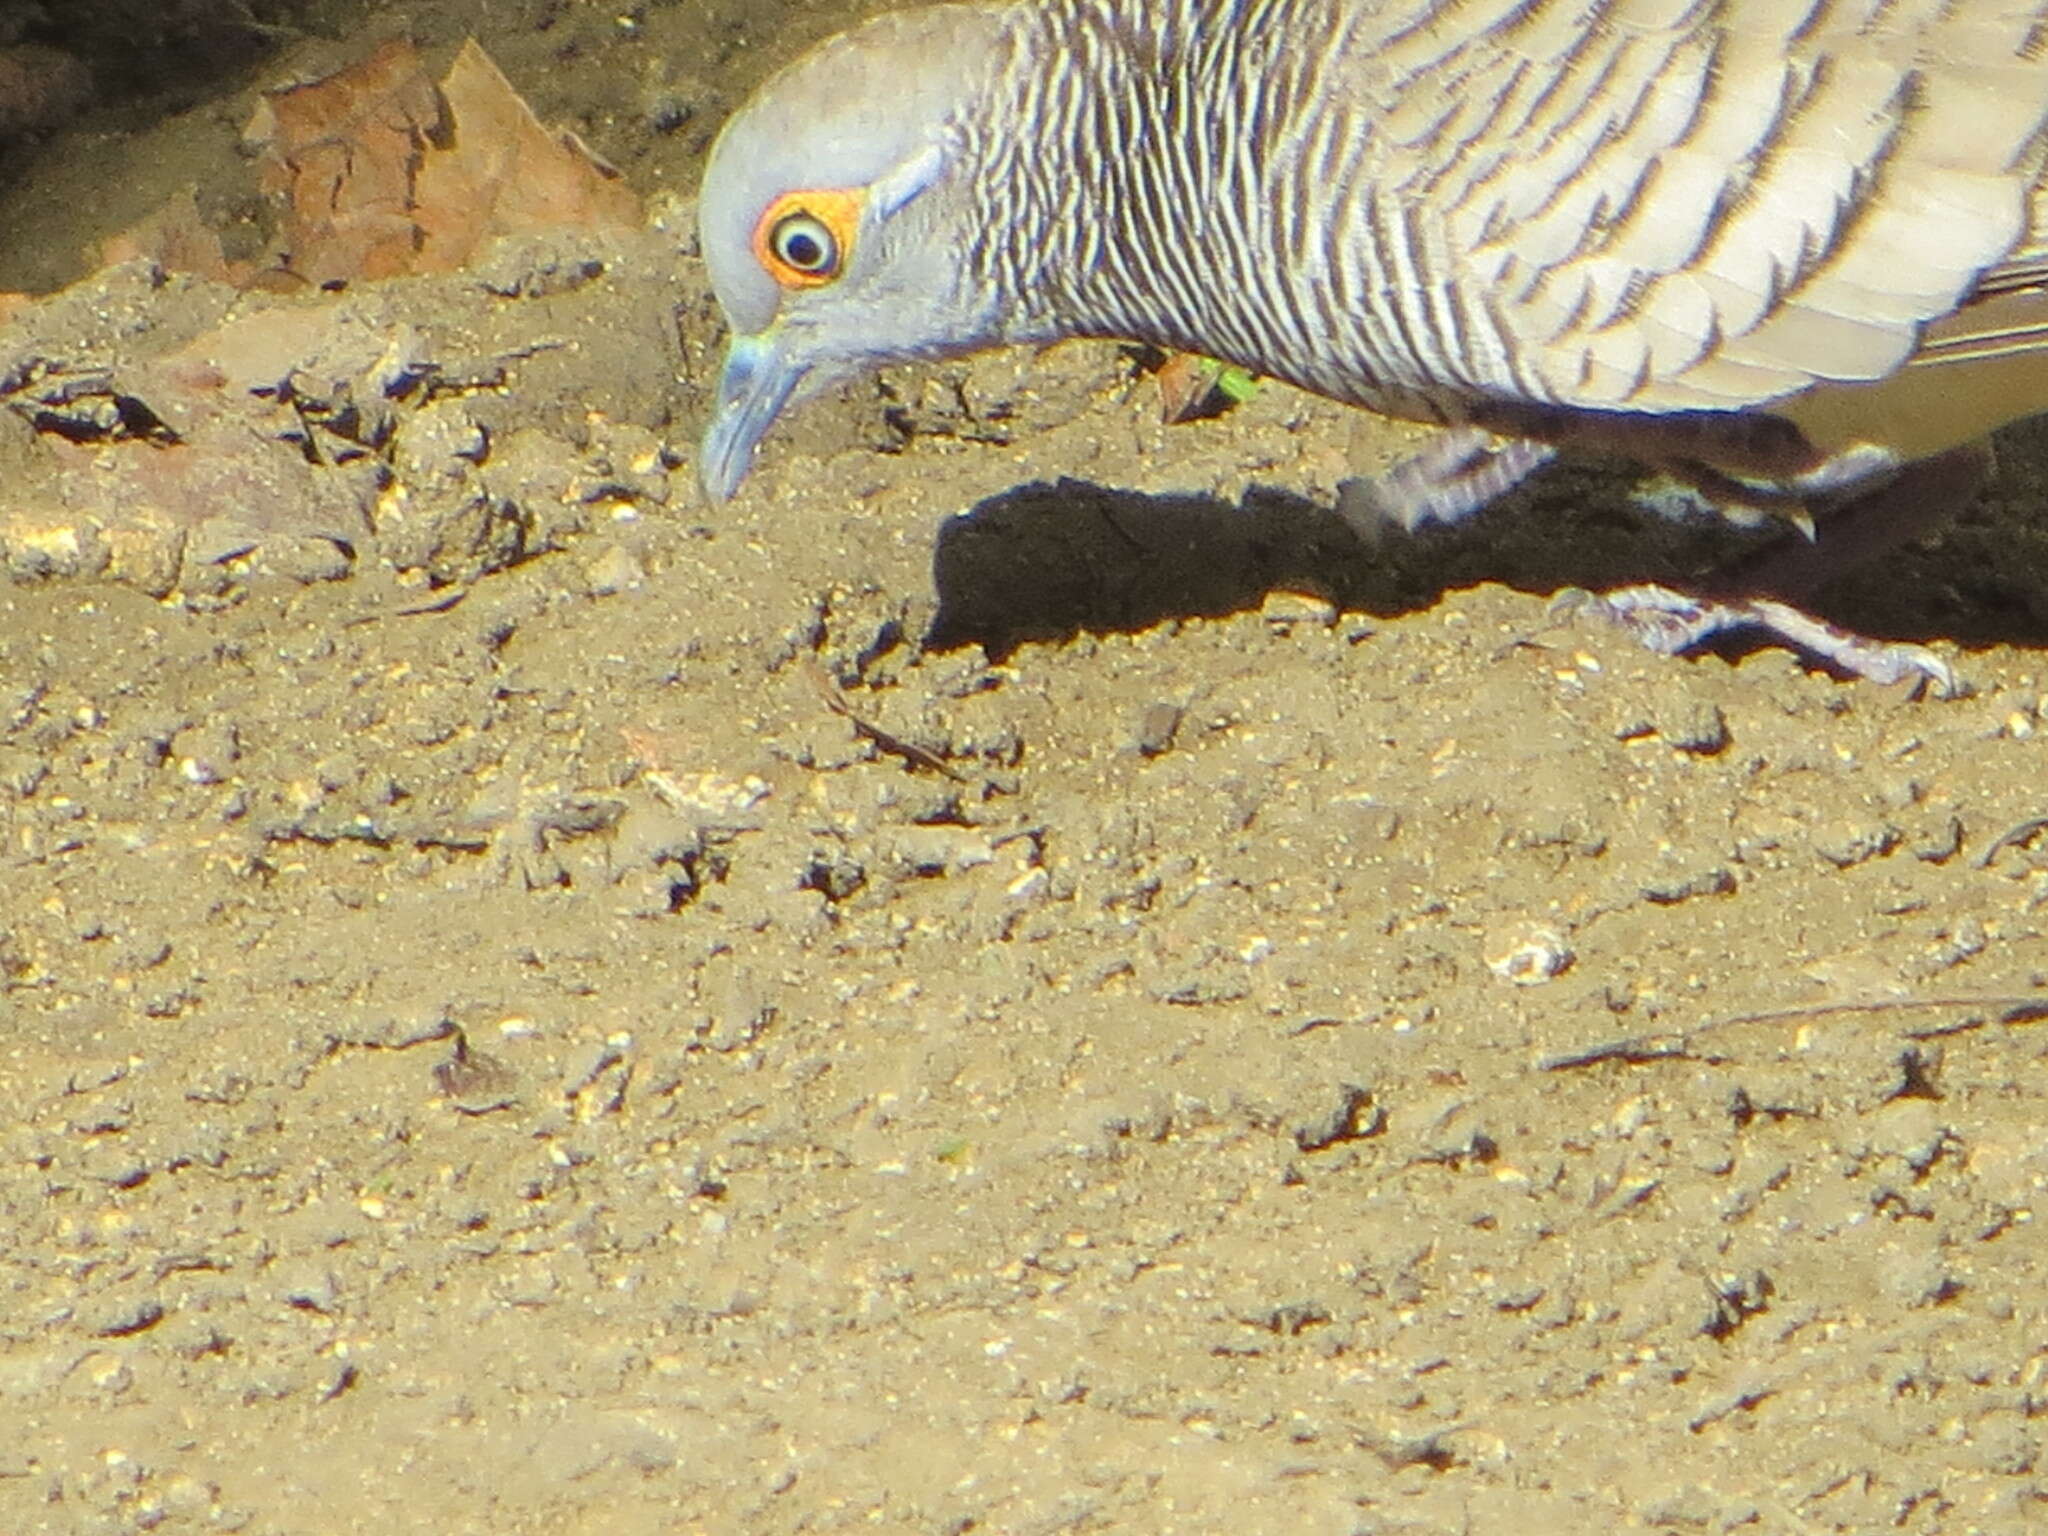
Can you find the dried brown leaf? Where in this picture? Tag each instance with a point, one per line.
(380, 173)
(343, 153)
(1185, 381)
(504, 173)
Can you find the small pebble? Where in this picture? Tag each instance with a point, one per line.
(1846, 844)
(205, 754)
(1158, 724)
(615, 570)
(1283, 610)
(1696, 726)
(116, 1317)
(1529, 954)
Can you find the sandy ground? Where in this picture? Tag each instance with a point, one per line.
(1014, 979)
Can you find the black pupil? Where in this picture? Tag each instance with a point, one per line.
(802, 249)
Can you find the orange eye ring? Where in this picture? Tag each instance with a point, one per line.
(805, 239)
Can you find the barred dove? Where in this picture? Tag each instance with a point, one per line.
(1794, 252)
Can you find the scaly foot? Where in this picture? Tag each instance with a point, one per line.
(1456, 475)
(1670, 622)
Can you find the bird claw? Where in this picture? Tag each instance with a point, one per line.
(1457, 474)
(1671, 622)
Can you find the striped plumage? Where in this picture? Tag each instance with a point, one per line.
(1673, 226)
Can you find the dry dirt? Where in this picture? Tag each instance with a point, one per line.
(1014, 979)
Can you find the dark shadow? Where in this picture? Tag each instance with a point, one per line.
(149, 58)
(1049, 561)
(145, 83)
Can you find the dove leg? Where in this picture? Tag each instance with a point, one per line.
(1669, 622)
(1457, 474)
(1465, 467)
(1762, 592)
(1850, 508)
(1859, 528)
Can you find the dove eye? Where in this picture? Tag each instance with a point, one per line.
(804, 238)
(803, 244)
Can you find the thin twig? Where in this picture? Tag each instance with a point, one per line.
(2021, 1009)
(895, 745)
(1640, 1050)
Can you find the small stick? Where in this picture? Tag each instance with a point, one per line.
(1638, 1049)
(896, 745)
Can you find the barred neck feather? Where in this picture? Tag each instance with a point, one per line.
(1645, 205)
(1184, 171)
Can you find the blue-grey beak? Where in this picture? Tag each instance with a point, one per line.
(755, 384)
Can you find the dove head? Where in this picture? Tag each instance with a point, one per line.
(831, 219)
